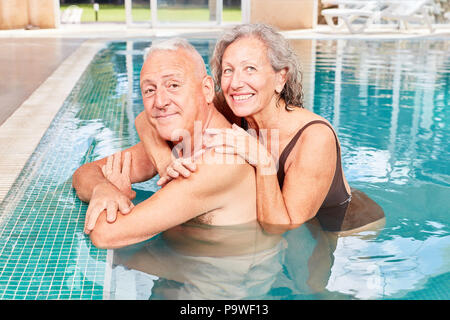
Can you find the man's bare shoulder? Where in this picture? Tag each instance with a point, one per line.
(222, 189)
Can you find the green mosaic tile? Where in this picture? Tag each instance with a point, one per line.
(43, 251)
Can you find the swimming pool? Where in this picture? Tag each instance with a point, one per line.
(388, 100)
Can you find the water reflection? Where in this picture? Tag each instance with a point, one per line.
(389, 102)
(391, 268)
(196, 261)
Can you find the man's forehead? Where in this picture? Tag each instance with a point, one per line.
(163, 72)
(164, 58)
(165, 63)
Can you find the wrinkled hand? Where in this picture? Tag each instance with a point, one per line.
(119, 175)
(239, 142)
(112, 197)
(106, 197)
(180, 166)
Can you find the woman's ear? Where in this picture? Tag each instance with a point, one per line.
(280, 81)
(208, 88)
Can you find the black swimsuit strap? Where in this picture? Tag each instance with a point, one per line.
(287, 150)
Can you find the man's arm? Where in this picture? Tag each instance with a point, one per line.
(89, 175)
(92, 186)
(179, 201)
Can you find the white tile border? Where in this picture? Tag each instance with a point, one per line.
(108, 275)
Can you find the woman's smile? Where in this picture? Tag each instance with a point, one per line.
(242, 97)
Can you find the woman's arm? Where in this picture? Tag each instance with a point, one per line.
(309, 173)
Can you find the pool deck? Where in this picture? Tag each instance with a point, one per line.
(40, 67)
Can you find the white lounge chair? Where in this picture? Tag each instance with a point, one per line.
(72, 14)
(408, 11)
(348, 12)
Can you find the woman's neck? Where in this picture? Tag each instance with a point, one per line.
(268, 117)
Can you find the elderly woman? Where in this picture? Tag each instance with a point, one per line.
(259, 81)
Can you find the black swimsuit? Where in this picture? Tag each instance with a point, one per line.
(332, 211)
(340, 210)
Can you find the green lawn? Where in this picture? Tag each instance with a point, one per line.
(113, 13)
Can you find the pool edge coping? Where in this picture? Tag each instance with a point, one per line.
(41, 107)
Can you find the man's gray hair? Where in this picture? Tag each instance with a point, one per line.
(173, 44)
(280, 55)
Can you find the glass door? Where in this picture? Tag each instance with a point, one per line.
(186, 12)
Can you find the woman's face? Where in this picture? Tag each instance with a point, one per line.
(248, 80)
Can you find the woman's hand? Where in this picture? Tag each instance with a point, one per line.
(180, 166)
(119, 174)
(239, 142)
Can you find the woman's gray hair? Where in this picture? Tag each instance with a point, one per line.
(280, 55)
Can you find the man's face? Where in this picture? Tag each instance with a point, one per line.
(172, 92)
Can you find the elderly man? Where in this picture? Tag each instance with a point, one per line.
(178, 99)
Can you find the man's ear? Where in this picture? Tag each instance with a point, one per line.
(281, 77)
(208, 88)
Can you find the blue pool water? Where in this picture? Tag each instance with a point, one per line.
(389, 103)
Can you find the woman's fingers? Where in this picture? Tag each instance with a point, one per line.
(189, 163)
(163, 180)
(218, 134)
(181, 166)
(235, 143)
(184, 166)
(178, 167)
(240, 143)
(171, 172)
(222, 139)
(250, 158)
